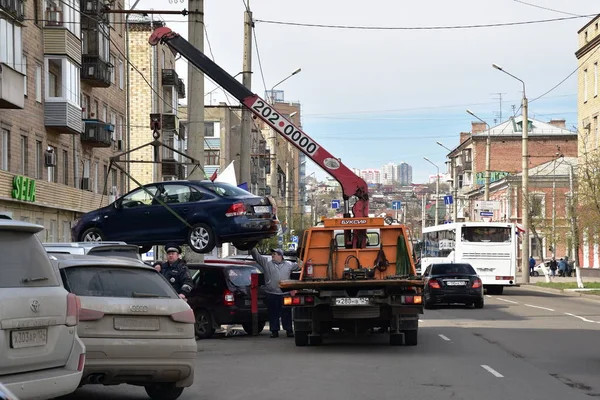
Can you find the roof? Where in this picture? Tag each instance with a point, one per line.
(85, 244)
(563, 167)
(80, 260)
(512, 127)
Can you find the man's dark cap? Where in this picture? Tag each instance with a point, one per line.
(172, 247)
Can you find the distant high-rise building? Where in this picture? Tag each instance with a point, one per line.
(405, 174)
(371, 175)
(389, 174)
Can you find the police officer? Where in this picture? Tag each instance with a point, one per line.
(176, 272)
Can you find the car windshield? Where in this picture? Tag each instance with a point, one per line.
(225, 189)
(241, 276)
(103, 281)
(449, 269)
(25, 263)
(114, 252)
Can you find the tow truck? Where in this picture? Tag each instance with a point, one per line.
(358, 272)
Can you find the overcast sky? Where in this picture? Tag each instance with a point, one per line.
(376, 96)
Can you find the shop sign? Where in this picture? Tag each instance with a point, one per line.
(23, 188)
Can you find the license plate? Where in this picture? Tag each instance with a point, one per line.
(137, 324)
(262, 209)
(249, 302)
(351, 301)
(456, 283)
(28, 338)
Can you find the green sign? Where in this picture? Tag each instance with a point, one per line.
(23, 188)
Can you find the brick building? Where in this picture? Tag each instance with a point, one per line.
(62, 111)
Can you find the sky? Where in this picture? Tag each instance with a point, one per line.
(375, 96)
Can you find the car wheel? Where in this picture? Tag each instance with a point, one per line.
(245, 245)
(163, 391)
(92, 235)
(535, 273)
(203, 326)
(201, 238)
(248, 327)
(145, 249)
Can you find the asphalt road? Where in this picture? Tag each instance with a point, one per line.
(525, 344)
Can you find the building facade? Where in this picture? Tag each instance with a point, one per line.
(405, 174)
(62, 111)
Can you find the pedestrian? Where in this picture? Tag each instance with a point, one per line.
(553, 266)
(568, 269)
(276, 270)
(531, 265)
(176, 272)
(562, 267)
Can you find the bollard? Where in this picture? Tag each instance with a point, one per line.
(254, 302)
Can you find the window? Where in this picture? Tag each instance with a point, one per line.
(38, 83)
(140, 197)
(211, 157)
(537, 206)
(95, 114)
(62, 80)
(24, 156)
(114, 184)
(482, 234)
(65, 161)
(4, 146)
(96, 176)
(595, 128)
(450, 269)
(24, 71)
(585, 85)
(63, 13)
(52, 171)
(438, 244)
(104, 113)
(105, 180)
(36, 12)
(121, 75)
(112, 73)
(95, 40)
(38, 160)
(119, 128)
(53, 231)
(85, 106)
(113, 122)
(176, 194)
(595, 79)
(170, 101)
(11, 44)
(209, 129)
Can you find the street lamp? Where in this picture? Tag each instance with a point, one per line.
(454, 184)
(437, 188)
(281, 81)
(486, 195)
(525, 184)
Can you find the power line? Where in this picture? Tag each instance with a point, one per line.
(548, 9)
(258, 57)
(421, 28)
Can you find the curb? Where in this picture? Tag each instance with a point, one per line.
(533, 286)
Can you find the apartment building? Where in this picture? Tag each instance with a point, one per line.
(62, 110)
(155, 90)
(405, 174)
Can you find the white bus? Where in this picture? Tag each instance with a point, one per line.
(490, 247)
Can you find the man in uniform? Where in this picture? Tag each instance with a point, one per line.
(176, 272)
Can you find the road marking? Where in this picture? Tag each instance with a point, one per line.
(492, 371)
(508, 301)
(488, 295)
(541, 308)
(447, 339)
(581, 318)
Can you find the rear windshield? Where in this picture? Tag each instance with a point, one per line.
(114, 252)
(226, 190)
(240, 277)
(495, 234)
(117, 282)
(25, 261)
(446, 269)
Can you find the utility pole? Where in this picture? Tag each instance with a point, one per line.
(574, 231)
(246, 139)
(525, 189)
(195, 98)
(554, 208)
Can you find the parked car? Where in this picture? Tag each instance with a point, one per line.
(102, 249)
(6, 394)
(201, 214)
(41, 355)
(221, 296)
(135, 327)
(452, 283)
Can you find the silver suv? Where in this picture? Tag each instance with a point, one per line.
(41, 355)
(103, 249)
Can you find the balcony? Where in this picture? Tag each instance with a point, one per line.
(60, 41)
(62, 117)
(182, 130)
(169, 77)
(170, 122)
(171, 168)
(468, 166)
(180, 88)
(92, 7)
(95, 71)
(14, 8)
(11, 88)
(97, 133)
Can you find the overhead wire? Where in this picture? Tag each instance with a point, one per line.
(548, 9)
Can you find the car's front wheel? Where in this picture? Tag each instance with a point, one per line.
(201, 238)
(92, 235)
(245, 245)
(163, 391)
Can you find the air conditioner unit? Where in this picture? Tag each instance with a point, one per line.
(120, 144)
(86, 184)
(50, 158)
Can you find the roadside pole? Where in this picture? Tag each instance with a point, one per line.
(254, 302)
(246, 139)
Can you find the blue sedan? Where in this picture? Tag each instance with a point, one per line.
(200, 214)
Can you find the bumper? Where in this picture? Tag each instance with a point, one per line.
(245, 229)
(48, 383)
(453, 296)
(140, 361)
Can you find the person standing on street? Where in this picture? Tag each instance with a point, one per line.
(276, 270)
(531, 265)
(553, 266)
(176, 272)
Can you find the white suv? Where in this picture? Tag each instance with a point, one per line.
(41, 356)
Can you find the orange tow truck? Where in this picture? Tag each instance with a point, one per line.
(356, 289)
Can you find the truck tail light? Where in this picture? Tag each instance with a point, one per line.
(298, 300)
(434, 284)
(236, 210)
(228, 298)
(73, 307)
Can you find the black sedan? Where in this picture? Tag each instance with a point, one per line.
(452, 283)
(201, 214)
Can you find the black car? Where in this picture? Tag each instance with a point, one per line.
(452, 283)
(221, 296)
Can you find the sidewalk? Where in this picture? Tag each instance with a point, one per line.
(535, 279)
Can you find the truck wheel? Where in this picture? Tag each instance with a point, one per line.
(248, 327)
(410, 338)
(301, 338)
(395, 339)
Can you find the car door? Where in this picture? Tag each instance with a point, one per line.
(173, 214)
(132, 220)
(208, 290)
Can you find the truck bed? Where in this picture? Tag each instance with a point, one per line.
(297, 285)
